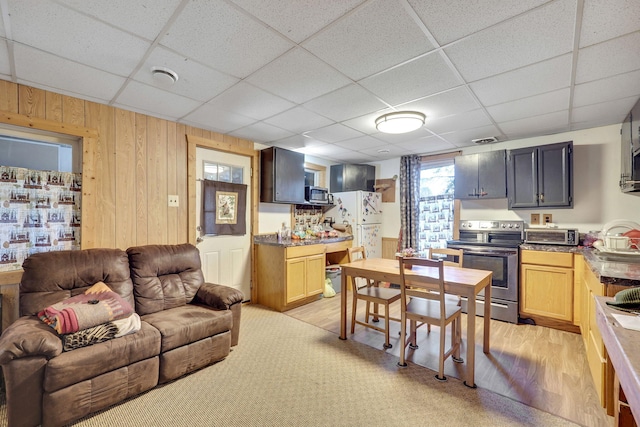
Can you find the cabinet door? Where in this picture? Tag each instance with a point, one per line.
(547, 291)
(626, 155)
(635, 128)
(522, 178)
(296, 279)
(555, 175)
(492, 174)
(315, 275)
(466, 177)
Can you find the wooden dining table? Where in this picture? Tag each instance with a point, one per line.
(466, 282)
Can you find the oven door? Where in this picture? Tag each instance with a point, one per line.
(502, 262)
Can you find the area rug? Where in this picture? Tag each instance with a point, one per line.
(285, 372)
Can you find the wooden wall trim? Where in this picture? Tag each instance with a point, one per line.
(47, 125)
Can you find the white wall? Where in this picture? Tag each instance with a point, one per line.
(596, 172)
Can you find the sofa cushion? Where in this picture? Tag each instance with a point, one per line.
(50, 277)
(164, 276)
(81, 364)
(187, 324)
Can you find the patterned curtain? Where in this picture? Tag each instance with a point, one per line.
(409, 201)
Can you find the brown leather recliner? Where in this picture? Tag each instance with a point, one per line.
(186, 324)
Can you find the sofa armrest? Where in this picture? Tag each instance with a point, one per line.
(27, 337)
(218, 296)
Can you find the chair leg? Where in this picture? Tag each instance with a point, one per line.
(387, 344)
(403, 343)
(443, 334)
(413, 335)
(457, 325)
(354, 308)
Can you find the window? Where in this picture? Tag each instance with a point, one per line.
(223, 173)
(436, 203)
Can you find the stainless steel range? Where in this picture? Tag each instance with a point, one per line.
(493, 246)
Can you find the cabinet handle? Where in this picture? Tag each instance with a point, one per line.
(482, 192)
(541, 197)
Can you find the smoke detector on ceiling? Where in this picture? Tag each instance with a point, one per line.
(164, 76)
(487, 140)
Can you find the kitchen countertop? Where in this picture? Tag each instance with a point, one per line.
(272, 240)
(609, 272)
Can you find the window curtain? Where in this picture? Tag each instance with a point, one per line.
(40, 211)
(409, 201)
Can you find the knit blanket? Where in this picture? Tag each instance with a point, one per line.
(98, 305)
(101, 333)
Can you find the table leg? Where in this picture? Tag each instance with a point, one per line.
(471, 341)
(487, 317)
(343, 307)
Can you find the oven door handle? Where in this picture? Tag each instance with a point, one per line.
(492, 252)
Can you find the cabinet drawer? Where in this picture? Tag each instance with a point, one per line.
(305, 250)
(555, 259)
(338, 246)
(597, 366)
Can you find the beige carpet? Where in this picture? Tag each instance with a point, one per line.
(286, 372)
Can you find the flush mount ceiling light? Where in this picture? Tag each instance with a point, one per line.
(164, 76)
(400, 122)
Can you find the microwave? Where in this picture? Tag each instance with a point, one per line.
(314, 194)
(552, 236)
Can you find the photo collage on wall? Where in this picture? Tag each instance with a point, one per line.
(39, 212)
(436, 221)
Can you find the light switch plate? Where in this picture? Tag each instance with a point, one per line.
(535, 219)
(173, 201)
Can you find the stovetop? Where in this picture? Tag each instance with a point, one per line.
(493, 233)
(492, 226)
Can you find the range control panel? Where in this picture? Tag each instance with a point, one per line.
(492, 225)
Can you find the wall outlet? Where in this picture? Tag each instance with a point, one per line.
(547, 218)
(173, 201)
(535, 219)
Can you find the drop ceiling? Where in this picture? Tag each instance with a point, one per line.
(313, 75)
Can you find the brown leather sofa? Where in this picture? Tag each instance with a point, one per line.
(186, 324)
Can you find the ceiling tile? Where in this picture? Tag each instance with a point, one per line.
(541, 34)
(384, 153)
(428, 144)
(298, 120)
(609, 58)
(84, 82)
(298, 76)
(218, 45)
(140, 19)
(532, 106)
(298, 19)
(374, 37)
(329, 150)
(195, 80)
(362, 142)
(297, 141)
(334, 133)
(415, 79)
(5, 62)
(140, 96)
(468, 120)
(464, 138)
(216, 119)
(603, 113)
(603, 20)
(609, 89)
(443, 18)
(453, 101)
(535, 126)
(345, 103)
(535, 79)
(91, 42)
(261, 132)
(250, 101)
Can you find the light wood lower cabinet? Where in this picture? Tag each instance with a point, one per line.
(288, 277)
(547, 288)
(596, 354)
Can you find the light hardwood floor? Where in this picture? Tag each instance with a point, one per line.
(541, 367)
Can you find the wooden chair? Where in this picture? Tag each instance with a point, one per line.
(420, 305)
(371, 293)
(446, 253)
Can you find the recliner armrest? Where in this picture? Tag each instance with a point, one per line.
(220, 297)
(29, 336)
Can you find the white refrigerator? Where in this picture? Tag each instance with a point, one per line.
(363, 211)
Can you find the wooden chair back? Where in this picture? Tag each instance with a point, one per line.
(422, 285)
(456, 254)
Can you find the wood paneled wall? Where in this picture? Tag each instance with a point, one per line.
(131, 163)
